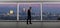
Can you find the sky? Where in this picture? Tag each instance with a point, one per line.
(5, 8)
(35, 7)
(53, 8)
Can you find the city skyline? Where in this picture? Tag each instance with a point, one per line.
(53, 8)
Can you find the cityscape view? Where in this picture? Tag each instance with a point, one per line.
(49, 11)
(8, 11)
(35, 11)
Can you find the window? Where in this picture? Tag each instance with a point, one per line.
(8, 11)
(35, 11)
(51, 11)
(39, 11)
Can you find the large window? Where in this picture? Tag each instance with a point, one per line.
(35, 11)
(51, 11)
(40, 11)
(18, 11)
(8, 11)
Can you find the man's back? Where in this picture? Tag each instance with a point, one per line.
(29, 13)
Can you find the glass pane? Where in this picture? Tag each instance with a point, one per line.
(51, 12)
(8, 11)
(35, 11)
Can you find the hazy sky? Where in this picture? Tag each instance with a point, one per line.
(6, 7)
(53, 8)
(35, 7)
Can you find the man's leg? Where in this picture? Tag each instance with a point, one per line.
(30, 21)
(27, 21)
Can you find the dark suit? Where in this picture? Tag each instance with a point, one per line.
(58, 18)
(29, 16)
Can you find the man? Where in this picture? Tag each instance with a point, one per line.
(29, 15)
(58, 18)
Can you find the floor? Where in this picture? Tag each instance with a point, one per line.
(33, 25)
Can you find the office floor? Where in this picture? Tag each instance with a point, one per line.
(33, 25)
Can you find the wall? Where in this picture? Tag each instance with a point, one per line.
(29, 0)
(21, 0)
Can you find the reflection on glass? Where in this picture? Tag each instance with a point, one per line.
(51, 11)
(35, 11)
(8, 11)
(11, 12)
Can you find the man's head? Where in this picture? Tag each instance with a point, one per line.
(30, 8)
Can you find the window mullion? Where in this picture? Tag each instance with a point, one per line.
(17, 11)
(41, 11)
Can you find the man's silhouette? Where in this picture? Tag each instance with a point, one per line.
(29, 15)
(58, 18)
